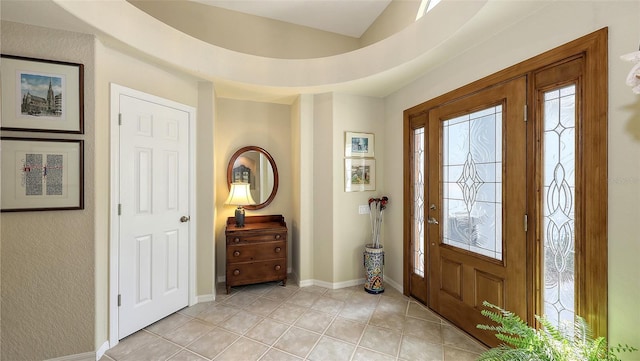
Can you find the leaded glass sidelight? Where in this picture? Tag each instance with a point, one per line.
(558, 236)
(472, 182)
(418, 202)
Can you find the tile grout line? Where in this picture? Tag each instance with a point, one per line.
(290, 326)
(326, 328)
(351, 296)
(269, 347)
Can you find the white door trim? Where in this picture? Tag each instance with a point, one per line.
(116, 91)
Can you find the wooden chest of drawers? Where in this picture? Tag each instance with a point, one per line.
(256, 252)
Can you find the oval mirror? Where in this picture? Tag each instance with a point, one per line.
(255, 166)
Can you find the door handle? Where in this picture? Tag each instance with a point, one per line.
(185, 219)
(432, 220)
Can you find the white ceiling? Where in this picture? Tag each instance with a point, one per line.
(346, 17)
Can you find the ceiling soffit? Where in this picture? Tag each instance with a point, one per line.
(451, 29)
(346, 17)
(247, 33)
(207, 61)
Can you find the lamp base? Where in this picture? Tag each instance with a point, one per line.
(239, 217)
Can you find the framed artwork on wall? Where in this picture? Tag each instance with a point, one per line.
(41, 174)
(359, 145)
(42, 95)
(359, 174)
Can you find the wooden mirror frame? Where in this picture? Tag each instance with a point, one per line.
(233, 159)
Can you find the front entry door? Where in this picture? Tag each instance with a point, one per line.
(154, 206)
(475, 206)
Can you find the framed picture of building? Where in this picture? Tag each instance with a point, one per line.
(42, 95)
(359, 144)
(41, 174)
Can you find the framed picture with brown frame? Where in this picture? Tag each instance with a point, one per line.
(41, 174)
(42, 95)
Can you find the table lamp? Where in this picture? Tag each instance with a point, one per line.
(240, 195)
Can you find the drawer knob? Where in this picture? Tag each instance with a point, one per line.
(277, 267)
(236, 272)
(277, 249)
(278, 236)
(236, 253)
(236, 239)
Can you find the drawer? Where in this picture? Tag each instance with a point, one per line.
(247, 238)
(254, 272)
(256, 252)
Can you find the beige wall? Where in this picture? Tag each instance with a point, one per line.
(239, 124)
(338, 235)
(272, 38)
(557, 23)
(323, 174)
(303, 187)
(205, 177)
(48, 257)
(246, 33)
(351, 230)
(396, 17)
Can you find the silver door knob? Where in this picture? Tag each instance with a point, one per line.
(185, 219)
(432, 220)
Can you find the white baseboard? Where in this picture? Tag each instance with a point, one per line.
(306, 283)
(101, 351)
(398, 287)
(345, 284)
(205, 298)
(331, 285)
(86, 356)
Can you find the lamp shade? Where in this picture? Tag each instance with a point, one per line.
(240, 195)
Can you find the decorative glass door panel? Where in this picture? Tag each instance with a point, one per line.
(417, 239)
(559, 192)
(472, 182)
(416, 252)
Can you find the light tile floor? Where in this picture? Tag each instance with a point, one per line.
(268, 322)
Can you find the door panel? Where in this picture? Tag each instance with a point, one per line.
(154, 195)
(417, 251)
(477, 248)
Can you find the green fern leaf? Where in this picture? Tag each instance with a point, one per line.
(550, 343)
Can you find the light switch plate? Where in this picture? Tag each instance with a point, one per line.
(364, 209)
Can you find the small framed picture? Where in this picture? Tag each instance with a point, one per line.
(42, 95)
(41, 174)
(359, 174)
(359, 145)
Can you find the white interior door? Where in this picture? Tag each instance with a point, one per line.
(153, 268)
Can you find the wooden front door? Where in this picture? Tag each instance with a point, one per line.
(475, 205)
(519, 221)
